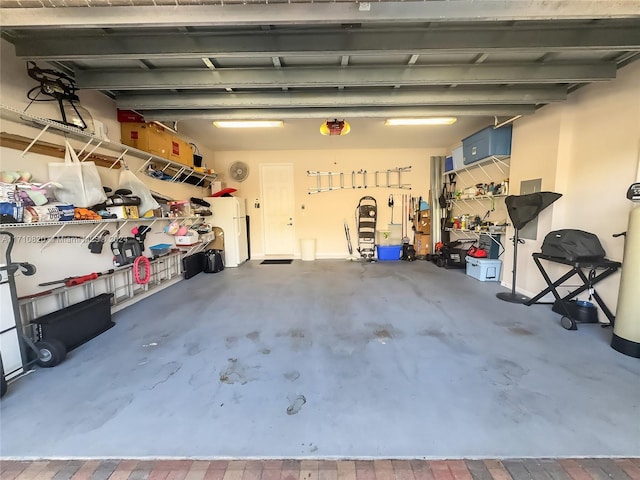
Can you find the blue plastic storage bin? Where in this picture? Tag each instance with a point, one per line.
(389, 252)
(487, 142)
(160, 249)
(448, 164)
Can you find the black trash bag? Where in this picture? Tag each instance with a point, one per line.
(573, 245)
(524, 208)
(213, 262)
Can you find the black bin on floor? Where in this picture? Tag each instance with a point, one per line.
(77, 323)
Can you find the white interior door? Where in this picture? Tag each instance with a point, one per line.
(276, 185)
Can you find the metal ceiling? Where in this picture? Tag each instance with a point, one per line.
(240, 60)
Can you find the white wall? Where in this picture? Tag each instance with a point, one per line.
(588, 149)
(324, 213)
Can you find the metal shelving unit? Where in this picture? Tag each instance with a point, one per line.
(179, 172)
(474, 234)
(501, 162)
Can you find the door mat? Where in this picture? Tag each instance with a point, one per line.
(276, 262)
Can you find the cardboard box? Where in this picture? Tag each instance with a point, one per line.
(181, 151)
(148, 137)
(422, 222)
(216, 186)
(217, 239)
(129, 211)
(422, 244)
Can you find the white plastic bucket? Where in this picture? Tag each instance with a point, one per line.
(308, 249)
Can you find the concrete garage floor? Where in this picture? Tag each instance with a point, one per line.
(331, 359)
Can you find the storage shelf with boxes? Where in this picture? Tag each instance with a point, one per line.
(156, 139)
(477, 184)
(173, 169)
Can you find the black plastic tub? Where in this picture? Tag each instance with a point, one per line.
(77, 323)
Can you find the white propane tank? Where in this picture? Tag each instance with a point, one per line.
(626, 330)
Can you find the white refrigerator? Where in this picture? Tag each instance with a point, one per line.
(230, 214)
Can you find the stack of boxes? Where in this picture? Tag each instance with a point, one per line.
(153, 138)
(422, 228)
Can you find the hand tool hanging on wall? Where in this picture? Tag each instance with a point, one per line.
(95, 245)
(140, 234)
(391, 206)
(125, 251)
(407, 217)
(78, 280)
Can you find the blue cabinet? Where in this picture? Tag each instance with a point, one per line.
(487, 142)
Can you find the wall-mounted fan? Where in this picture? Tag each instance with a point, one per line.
(239, 171)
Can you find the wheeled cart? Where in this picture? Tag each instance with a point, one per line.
(15, 344)
(598, 269)
(366, 218)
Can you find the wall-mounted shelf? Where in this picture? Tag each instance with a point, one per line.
(98, 225)
(92, 222)
(473, 234)
(501, 162)
(477, 197)
(179, 173)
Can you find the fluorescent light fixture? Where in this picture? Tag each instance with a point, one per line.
(248, 123)
(173, 129)
(421, 121)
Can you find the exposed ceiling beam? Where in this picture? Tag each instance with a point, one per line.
(316, 13)
(208, 63)
(344, 62)
(352, 76)
(145, 64)
(485, 96)
(359, 112)
(149, 45)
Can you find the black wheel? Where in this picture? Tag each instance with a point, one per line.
(568, 324)
(52, 352)
(440, 262)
